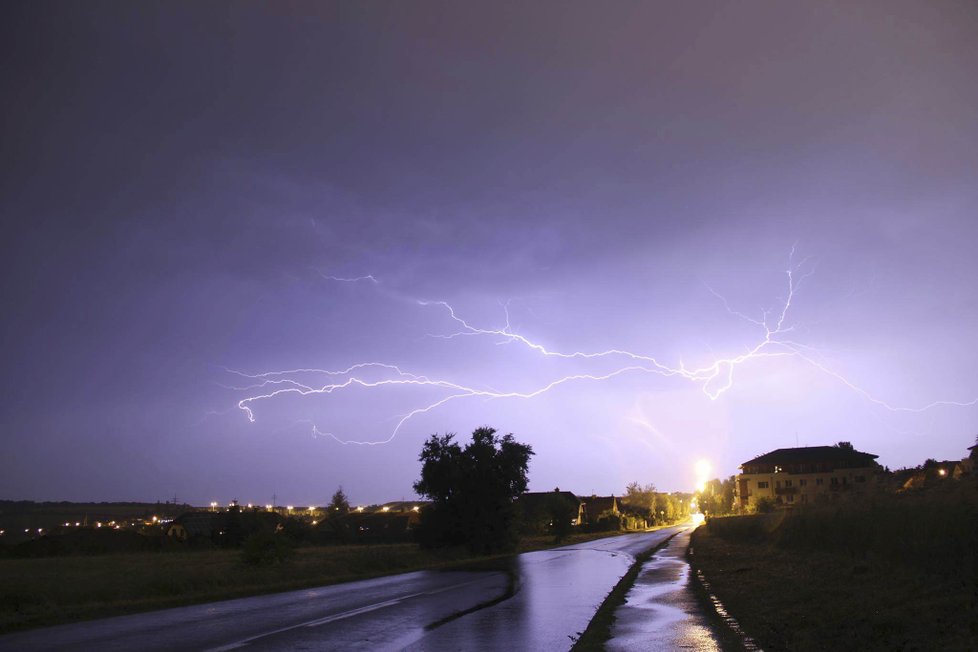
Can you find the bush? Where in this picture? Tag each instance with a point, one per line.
(765, 505)
(266, 548)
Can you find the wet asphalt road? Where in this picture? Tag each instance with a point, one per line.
(554, 596)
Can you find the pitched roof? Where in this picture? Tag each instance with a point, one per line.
(541, 500)
(595, 505)
(811, 455)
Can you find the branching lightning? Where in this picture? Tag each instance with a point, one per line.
(714, 379)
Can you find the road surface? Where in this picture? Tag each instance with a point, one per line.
(549, 597)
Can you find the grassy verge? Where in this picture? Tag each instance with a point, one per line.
(888, 573)
(54, 590)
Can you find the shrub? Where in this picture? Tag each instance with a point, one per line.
(265, 548)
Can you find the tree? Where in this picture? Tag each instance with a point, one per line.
(640, 501)
(845, 445)
(562, 514)
(717, 498)
(338, 505)
(472, 490)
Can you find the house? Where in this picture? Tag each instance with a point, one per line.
(537, 508)
(192, 526)
(595, 506)
(371, 526)
(795, 476)
(934, 472)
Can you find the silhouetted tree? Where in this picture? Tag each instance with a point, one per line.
(472, 490)
(338, 504)
(845, 445)
(562, 513)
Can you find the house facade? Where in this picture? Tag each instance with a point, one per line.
(790, 477)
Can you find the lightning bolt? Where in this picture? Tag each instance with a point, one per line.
(713, 379)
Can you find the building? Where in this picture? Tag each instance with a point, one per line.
(795, 476)
(539, 507)
(596, 506)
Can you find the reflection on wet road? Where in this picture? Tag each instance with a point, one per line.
(556, 594)
(661, 612)
(384, 613)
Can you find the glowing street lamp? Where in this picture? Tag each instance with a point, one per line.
(703, 469)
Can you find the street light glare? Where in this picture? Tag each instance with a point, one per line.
(703, 470)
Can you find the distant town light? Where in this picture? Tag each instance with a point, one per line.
(312, 508)
(942, 472)
(290, 508)
(386, 508)
(414, 509)
(268, 506)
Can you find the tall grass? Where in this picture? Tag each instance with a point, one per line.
(935, 530)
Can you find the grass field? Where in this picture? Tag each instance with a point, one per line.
(893, 572)
(52, 590)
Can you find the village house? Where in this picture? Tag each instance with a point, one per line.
(538, 507)
(795, 476)
(596, 506)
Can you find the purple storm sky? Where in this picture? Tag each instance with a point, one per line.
(186, 185)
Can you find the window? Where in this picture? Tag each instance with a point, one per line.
(787, 483)
(791, 498)
(763, 485)
(818, 482)
(834, 481)
(803, 482)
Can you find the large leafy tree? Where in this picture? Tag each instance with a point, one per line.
(472, 490)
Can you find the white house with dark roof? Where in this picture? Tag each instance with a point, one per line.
(795, 476)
